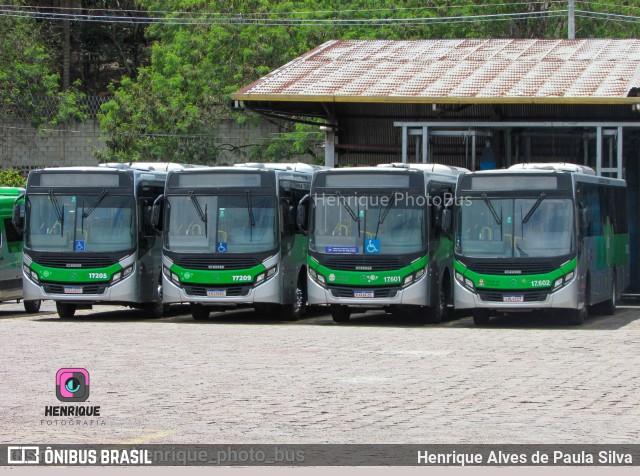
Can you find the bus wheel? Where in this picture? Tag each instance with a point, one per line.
(65, 310)
(32, 306)
(481, 317)
(294, 311)
(440, 312)
(609, 306)
(199, 312)
(154, 310)
(578, 316)
(340, 313)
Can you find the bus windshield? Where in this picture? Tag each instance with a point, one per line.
(506, 228)
(367, 224)
(221, 223)
(97, 222)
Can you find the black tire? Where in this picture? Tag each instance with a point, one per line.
(65, 310)
(441, 312)
(576, 317)
(199, 312)
(32, 306)
(340, 313)
(481, 317)
(155, 310)
(295, 310)
(609, 306)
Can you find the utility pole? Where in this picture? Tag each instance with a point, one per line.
(572, 20)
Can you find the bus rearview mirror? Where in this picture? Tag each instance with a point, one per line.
(446, 220)
(156, 214)
(18, 214)
(301, 215)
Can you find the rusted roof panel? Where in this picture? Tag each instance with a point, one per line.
(472, 70)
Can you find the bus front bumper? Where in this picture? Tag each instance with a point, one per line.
(565, 298)
(268, 292)
(122, 291)
(416, 294)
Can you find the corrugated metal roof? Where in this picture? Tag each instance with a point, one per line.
(461, 71)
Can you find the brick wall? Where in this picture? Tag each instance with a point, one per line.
(24, 148)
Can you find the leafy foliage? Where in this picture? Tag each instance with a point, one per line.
(166, 112)
(12, 178)
(29, 85)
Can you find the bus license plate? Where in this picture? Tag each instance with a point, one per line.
(72, 290)
(517, 298)
(363, 294)
(216, 293)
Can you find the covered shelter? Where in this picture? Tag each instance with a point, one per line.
(475, 103)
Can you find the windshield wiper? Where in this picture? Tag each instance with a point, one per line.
(203, 215)
(534, 208)
(385, 212)
(497, 218)
(95, 204)
(58, 209)
(252, 220)
(354, 217)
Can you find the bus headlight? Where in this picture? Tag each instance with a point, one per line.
(31, 274)
(120, 275)
(413, 277)
(466, 282)
(317, 277)
(563, 280)
(266, 275)
(171, 276)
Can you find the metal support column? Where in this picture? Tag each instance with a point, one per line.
(425, 145)
(619, 152)
(405, 144)
(599, 150)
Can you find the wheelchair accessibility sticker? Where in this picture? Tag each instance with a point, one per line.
(78, 245)
(222, 246)
(372, 246)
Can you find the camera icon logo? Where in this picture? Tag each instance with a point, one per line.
(72, 385)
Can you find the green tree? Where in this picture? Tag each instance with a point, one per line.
(12, 178)
(29, 85)
(217, 47)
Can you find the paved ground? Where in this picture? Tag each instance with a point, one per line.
(239, 378)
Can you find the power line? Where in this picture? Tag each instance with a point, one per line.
(608, 5)
(235, 14)
(242, 21)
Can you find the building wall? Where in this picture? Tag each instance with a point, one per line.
(22, 147)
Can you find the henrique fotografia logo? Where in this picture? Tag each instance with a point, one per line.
(72, 385)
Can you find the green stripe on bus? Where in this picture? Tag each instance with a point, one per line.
(76, 275)
(366, 278)
(218, 276)
(515, 281)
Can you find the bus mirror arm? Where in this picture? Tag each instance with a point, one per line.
(301, 215)
(18, 214)
(156, 211)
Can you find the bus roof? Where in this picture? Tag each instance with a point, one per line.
(148, 166)
(293, 166)
(433, 168)
(554, 167)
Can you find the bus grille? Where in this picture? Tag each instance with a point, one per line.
(534, 295)
(344, 263)
(231, 291)
(505, 268)
(86, 288)
(347, 292)
(215, 262)
(75, 261)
